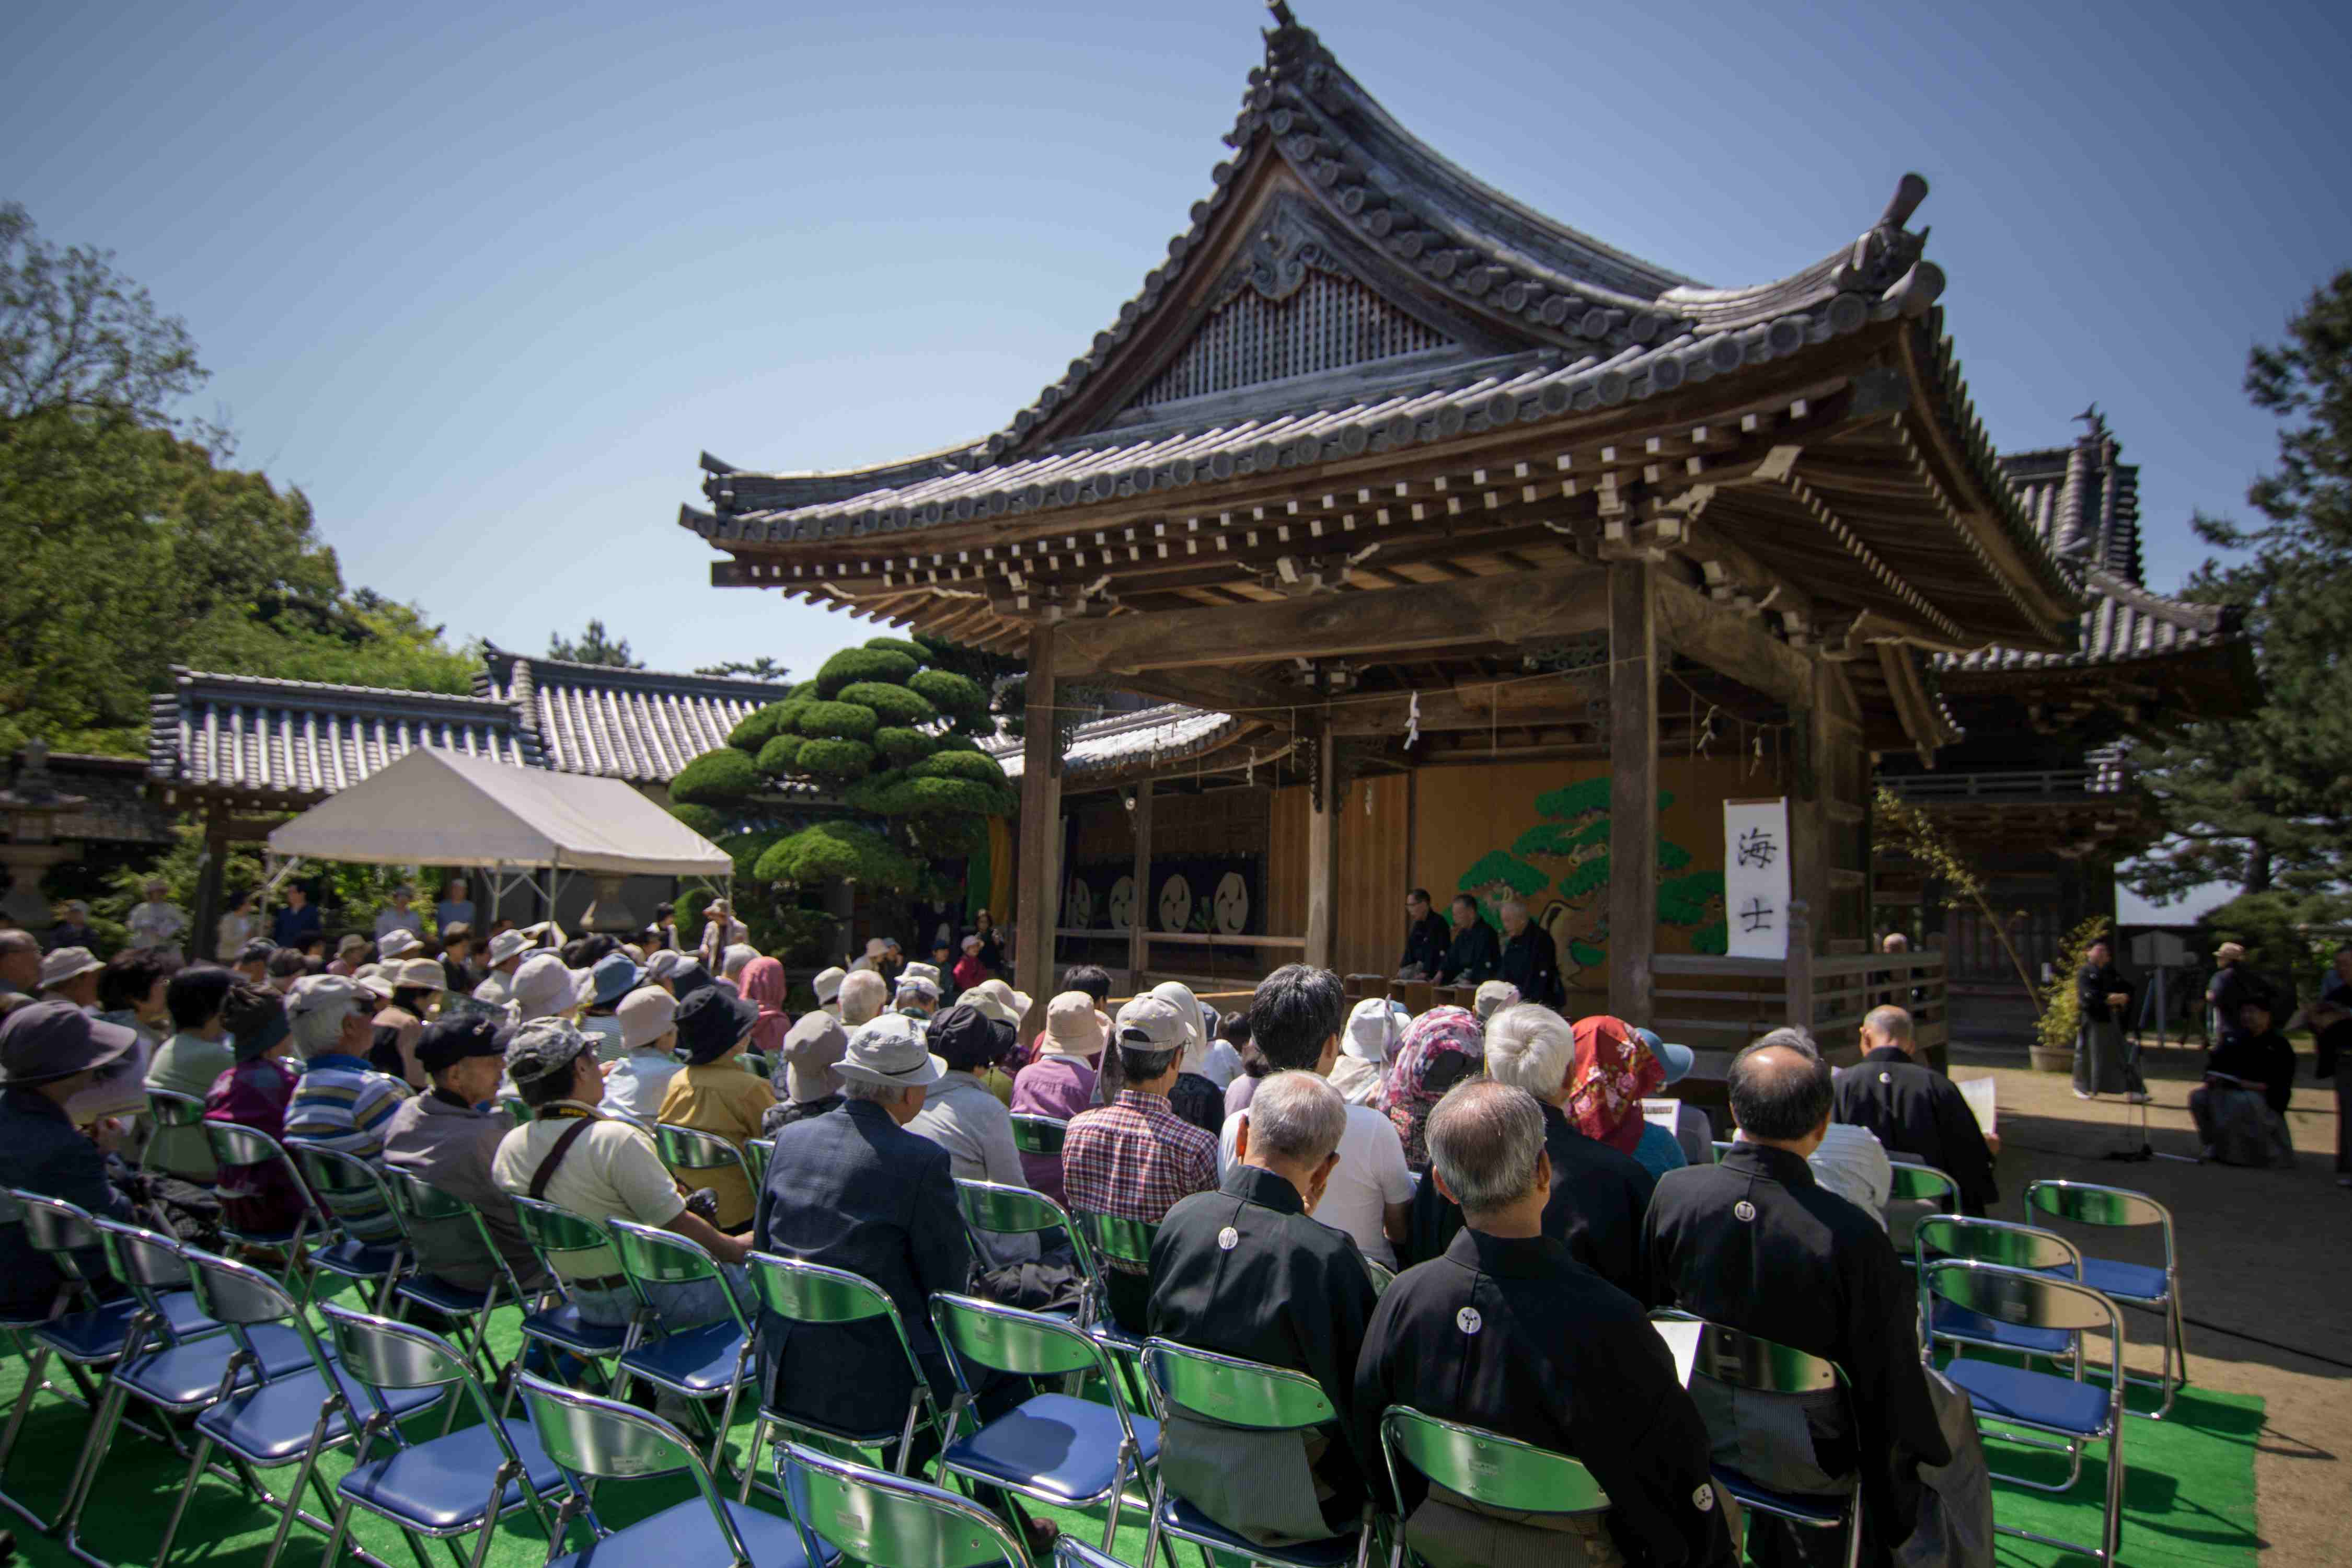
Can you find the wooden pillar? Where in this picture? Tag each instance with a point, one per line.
(1138, 923)
(1326, 794)
(1634, 787)
(1038, 897)
(206, 934)
(1810, 852)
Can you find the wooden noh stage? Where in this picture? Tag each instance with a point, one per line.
(1456, 534)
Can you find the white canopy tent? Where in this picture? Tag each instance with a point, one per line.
(436, 807)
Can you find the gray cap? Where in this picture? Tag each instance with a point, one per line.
(891, 1050)
(1154, 1023)
(44, 1041)
(543, 1048)
(67, 963)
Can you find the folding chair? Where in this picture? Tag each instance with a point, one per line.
(1034, 1134)
(518, 1111)
(1002, 1209)
(1382, 1275)
(1914, 1183)
(171, 1112)
(176, 1367)
(2133, 1284)
(591, 1440)
(233, 1144)
(287, 1420)
(699, 1361)
(886, 1520)
(2072, 1409)
(759, 1154)
(813, 1294)
(754, 1062)
(688, 1151)
(1486, 1466)
(352, 1190)
(1761, 1366)
(1998, 1241)
(423, 1209)
(1721, 1146)
(559, 1234)
(1236, 1393)
(437, 1490)
(1068, 1452)
(1102, 1240)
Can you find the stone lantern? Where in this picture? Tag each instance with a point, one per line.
(31, 845)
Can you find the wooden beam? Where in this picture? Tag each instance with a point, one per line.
(1466, 706)
(206, 936)
(1325, 798)
(1730, 644)
(1138, 923)
(1634, 669)
(1038, 898)
(1219, 690)
(1388, 621)
(1912, 705)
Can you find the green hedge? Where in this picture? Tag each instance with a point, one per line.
(915, 796)
(838, 850)
(781, 754)
(745, 850)
(715, 778)
(852, 665)
(960, 695)
(913, 650)
(828, 758)
(891, 704)
(759, 726)
(705, 820)
(901, 745)
(976, 766)
(846, 720)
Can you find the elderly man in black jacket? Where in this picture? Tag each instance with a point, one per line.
(49, 1052)
(1425, 936)
(1473, 953)
(1247, 1271)
(1914, 1110)
(1508, 1332)
(1756, 1244)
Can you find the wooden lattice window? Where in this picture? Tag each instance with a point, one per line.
(1328, 321)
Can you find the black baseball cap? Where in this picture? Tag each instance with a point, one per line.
(446, 1044)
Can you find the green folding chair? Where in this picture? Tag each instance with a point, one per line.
(1750, 1361)
(2133, 1284)
(175, 1141)
(558, 1237)
(691, 1153)
(697, 1362)
(1034, 1134)
(372, 1246)
(1913, 1184)
(426, 1210)
(759, 1154)
(1103, 1239)
(843, 1508)
(1487, 1467)
(818, 1296)
(1236, 1392)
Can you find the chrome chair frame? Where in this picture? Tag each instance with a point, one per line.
(56, 1228)
(187, 1109)
(418, 1204)
(636, 1245)
(874, 1527)
(333, 1178)
(1402, 1426)
(2087, 1203)
(676, 1145)
(1741, 1360)
(759, 1154)
(1041, 1135)
(2004, 1242)
(542, 1223)
(223, 1136)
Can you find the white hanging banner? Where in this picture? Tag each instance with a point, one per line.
(1756, 877)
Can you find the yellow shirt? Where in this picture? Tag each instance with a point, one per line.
(727, 1098)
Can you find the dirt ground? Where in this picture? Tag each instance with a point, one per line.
(2265, 1261)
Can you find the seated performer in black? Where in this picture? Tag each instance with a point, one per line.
(1473, 953)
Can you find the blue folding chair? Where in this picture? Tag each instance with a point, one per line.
(1236, 1392)
(2132, 1284)
(435, 1489)
(1487, 1467)
(234, 1145)
(591, 1440)
(176, 1137)
(813, 1294)
(557, 1236)
(369, 1247)
(1760, 1365)
(886, 1520)
(1998, 1241)
(287, 1420)
(177, 1365)
(697, 1362)
(2072, 1409)
(1061, 1450)
(427, 1211)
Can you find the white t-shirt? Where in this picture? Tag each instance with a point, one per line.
(1222, 1064)
(1371, 1175)
(612, 1170)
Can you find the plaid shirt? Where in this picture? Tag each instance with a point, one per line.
(1136, 1158)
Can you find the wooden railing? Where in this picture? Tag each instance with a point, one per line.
(2053, 783)
(1189, 938)
(1723, 1003)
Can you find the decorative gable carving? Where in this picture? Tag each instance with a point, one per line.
(1287, 307)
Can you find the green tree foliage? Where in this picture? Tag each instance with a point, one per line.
(131, 543)
(2264, 799)
(760, 668)
(594, 646)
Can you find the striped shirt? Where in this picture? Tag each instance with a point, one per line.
(343, 1104)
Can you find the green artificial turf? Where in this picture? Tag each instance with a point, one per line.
(2189, 1494)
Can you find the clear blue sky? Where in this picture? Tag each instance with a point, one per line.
(483, 281)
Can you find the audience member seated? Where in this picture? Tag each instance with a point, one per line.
(2240, 1108)
(505, 955)
(612, 978)
(416, 987)
(1375, 1031)
(1508, 1331)
(972, 1125)
(190, 1062)
(1531, 960)
(1235, 1033)
(638, 1083)
(854, 1190)
(1443, 1047)
(1492, 997)
(1915, 1113)
(1060, 1083)
(255, 1093)
(1095, 981)
(1599, 1193)
(1614, 1071)
(1754, 1243)
(50, 1051)
(341, 1103)
(1195, 1096)
(717, 1093)
(1244, 1271)
(1694, 1133)
(1136, 1158)
(574, 1157)
(252, 963)
(447, 1137)
(764, 985)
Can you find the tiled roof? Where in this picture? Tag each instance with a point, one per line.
(2124, 622)
(302, 738)
(1153, 734)
(113, 806)
(642, 725)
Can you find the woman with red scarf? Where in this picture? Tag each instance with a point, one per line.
(1614, 1071)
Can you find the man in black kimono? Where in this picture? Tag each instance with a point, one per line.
(1598, 1195)
(1755, 1244)
(2240, 1108)
(1245, 1272)
(1473, 953)
(1529, 960)
(1425, 936)
(1914, 1110)
(2104, 1063)
(1509, 1332)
